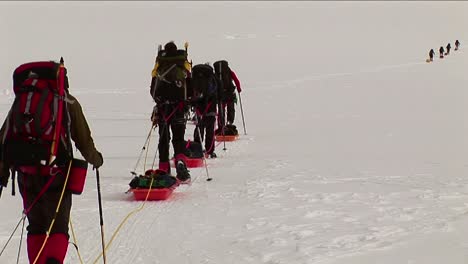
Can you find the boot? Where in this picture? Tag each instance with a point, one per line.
(183, 174)
(211, 155)
(53, 261)
(34, 244)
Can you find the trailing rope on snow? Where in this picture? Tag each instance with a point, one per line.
(124, 221)
(140, 208)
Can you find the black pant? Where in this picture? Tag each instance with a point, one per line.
(206, 124)
(228, 111)
(42, 211)
(173, 116)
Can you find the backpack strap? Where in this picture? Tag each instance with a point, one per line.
(20, 119)
(40, 107)
(161, 76)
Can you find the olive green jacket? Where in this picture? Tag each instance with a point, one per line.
(79, 130)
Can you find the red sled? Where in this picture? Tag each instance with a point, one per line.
(154, 194)
(191, 162)
(226, 137)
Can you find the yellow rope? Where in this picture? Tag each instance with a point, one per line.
(56, 212)
(74, 241)
(125, 220)
(134, 211)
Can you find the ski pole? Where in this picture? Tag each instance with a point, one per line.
(101, 219)
(12, 234)
(242, 112)
(208, 178)
(20, 243)
(142, 149)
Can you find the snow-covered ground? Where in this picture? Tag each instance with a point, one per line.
(355, 152)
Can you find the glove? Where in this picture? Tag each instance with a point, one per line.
(98, 160)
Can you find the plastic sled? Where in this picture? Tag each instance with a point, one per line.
(226, 137)
(191, 162)
(154, 194)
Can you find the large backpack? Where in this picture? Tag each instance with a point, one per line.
(223, 72)
(31, 123)
(193, 150)
(171, 75)
(204, 84)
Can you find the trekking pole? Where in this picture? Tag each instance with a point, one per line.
(146, 154)
(21, 240)
(208, 178)
(155, 156)
(223, 125)
(12, 234)
(142, 149)
(242, 112)
(101, 220)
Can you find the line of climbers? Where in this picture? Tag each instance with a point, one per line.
(443, 52)
(177, 89)
(37, 134)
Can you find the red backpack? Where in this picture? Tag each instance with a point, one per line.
(37, 124)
